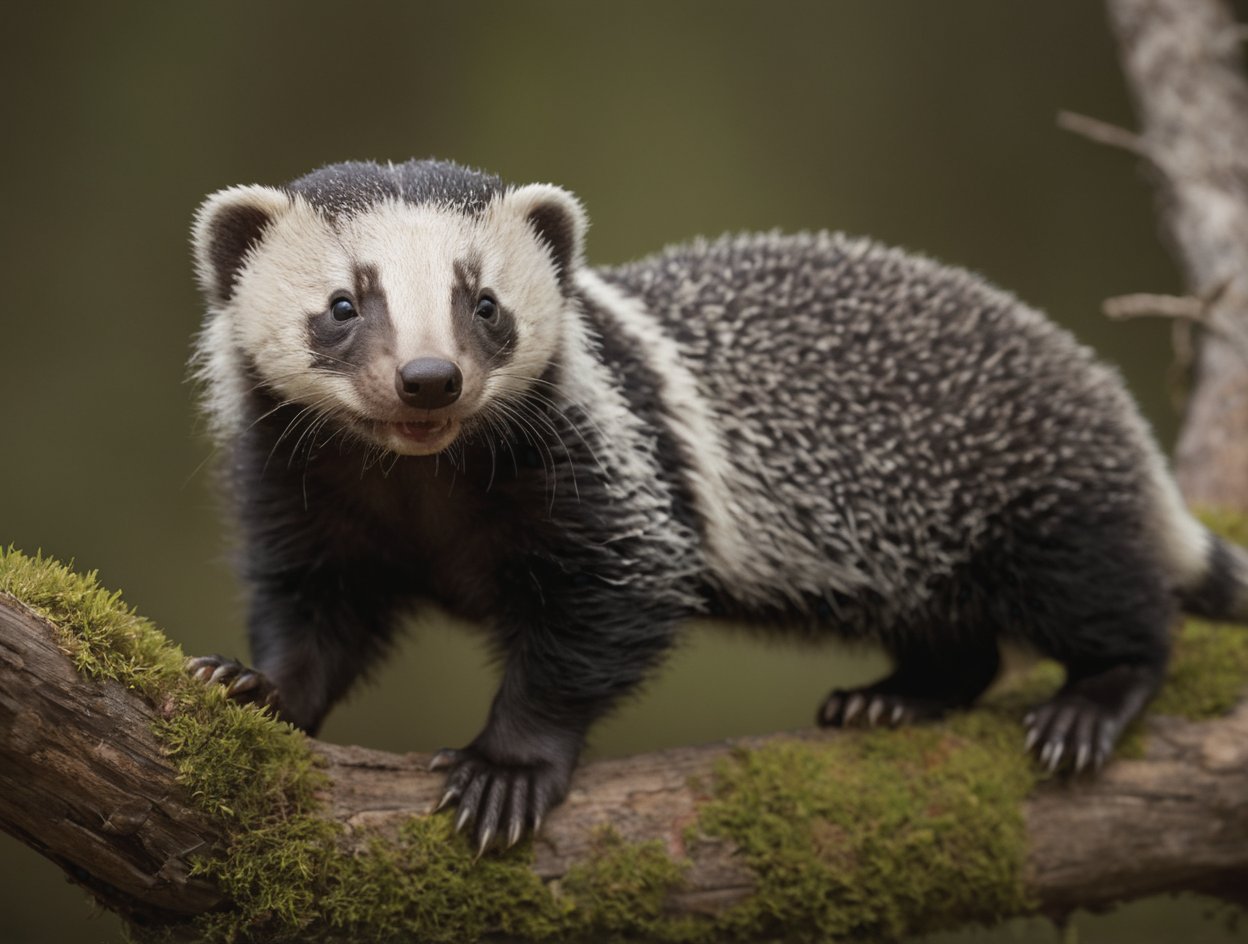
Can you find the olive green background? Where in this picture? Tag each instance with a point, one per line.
(929, 125)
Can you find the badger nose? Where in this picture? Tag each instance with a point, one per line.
(429, 382)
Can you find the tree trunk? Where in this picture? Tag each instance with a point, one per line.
(1184, 65)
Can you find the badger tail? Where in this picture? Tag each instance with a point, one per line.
(1219, 591)
(1208, 573)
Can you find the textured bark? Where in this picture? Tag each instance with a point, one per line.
(83, 780)
(1184, 65)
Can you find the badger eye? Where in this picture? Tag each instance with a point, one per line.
(341, 310)
(487, 308)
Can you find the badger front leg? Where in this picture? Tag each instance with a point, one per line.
(556, 684)
(311, 637)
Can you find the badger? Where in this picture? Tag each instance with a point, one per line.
(426, 395)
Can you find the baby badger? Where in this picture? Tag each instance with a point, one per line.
(426, 394)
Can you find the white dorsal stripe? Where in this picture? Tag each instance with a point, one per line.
(728, 551)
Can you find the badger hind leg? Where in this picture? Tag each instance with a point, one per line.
(926, 683)
(1077, 728)
(1095, 596)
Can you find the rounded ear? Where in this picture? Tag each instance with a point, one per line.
(557, 218)
(227, 226)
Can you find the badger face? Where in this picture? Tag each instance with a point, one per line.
(403, 304)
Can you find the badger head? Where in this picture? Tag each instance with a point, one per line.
(405, 304)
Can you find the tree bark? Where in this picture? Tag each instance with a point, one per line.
(1184, 66)
(85, 782)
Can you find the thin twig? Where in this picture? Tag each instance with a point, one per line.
(1146, 305)
(1101, 132)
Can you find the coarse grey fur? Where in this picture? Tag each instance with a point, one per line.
(814, 433)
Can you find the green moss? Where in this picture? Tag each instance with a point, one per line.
(1208, 669)
(100, 633)
(877, 835)
(622, 892)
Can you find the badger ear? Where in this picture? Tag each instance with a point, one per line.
(557, 218)
(227, 226)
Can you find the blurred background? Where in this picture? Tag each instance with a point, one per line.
(931, 126)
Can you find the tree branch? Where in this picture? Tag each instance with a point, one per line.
(1101, 132)
(85, 781)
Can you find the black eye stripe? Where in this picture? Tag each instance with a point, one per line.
(483, 324)
(359, 332)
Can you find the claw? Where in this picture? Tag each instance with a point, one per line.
(465, 814)
(449, 797)
(484, 842)
(1058, 750)
(203, 670)
(1045, 753)
(514, 832)
(852, 708)
(874, 710)
(894, 718)
(830, 708)
(1081, 757)
(1033, 735)
(244, 683)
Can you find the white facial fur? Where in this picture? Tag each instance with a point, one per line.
(303, 258)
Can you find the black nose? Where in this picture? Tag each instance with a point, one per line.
(429, 383)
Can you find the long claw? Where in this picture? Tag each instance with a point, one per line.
(1081, 757)
(514, 832)
(830, 708)
(1033, 735)
(874, 710)
(1055, 760)
(853, 707)
(894, 719)
(483, 842)
(203, 670)
(465, 814)
(448, 798)
(244, 683)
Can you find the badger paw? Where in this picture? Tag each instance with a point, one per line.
(863, 708)
(242, 684)
(1077, 728)
(1070, 733)
(499, 801)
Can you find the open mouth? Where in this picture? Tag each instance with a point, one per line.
(420, 438)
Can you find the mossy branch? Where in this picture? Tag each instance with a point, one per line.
(195, 817)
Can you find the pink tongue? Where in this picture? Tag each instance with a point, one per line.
(420, 431)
